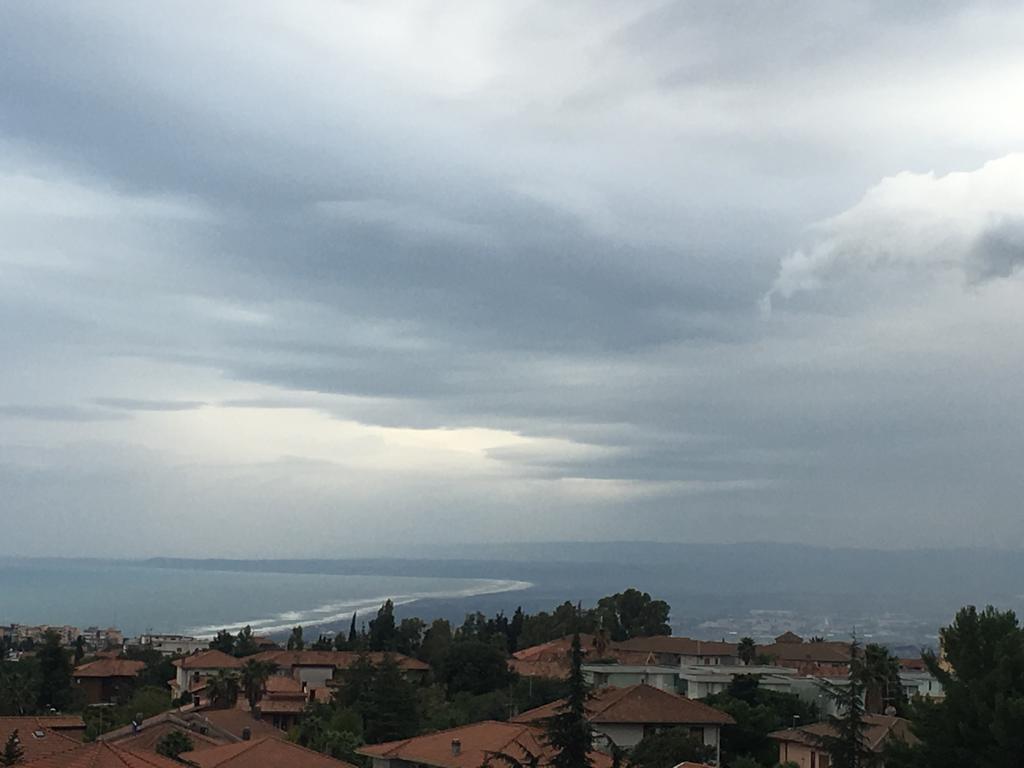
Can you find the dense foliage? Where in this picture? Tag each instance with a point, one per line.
(757, 713)
(980, 722)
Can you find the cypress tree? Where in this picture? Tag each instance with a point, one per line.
(568, 731)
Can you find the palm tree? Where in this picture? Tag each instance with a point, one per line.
(880, 673)
(746, 650)
(254, 680)
(222, 689)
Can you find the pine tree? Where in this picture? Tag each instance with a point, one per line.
(13, 752)
(847, 746)
(295, 641)
(568, 732)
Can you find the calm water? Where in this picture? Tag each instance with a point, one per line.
(140, 598)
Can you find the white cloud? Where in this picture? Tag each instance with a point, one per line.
(919, 226)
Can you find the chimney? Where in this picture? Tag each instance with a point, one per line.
(246, 734)
(456, 747)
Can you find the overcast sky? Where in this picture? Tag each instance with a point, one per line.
(317, 278)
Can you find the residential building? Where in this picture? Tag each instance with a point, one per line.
(193, 670)
(284, 702)
(701, 681)
(803, 746)
(681, 651)
(315, 669)
(625, 675)
(624, 716)
(468, 746)
(817, 657)
(172, 645)
(261, 753)
(107, 681)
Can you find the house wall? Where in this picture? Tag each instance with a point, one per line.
(664, 681)
(315, 677)
(802, 755)
(629, 735)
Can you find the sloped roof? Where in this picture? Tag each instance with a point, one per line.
(477, 742)
(262, 753)
(110, 668)
(880, 729)
(637, 704)
(829, 652)
(684, 646)
(211, 659)
(234, 720)
(37, 739)
(153, 729)
(557, 648)
(789, 637)
(100, 754)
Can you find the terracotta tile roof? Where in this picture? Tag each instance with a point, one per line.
(211, 659)
(283, 684)
(223, 726)
(235, 720)
(60, 722)
(110, 668)
(824, 652)
(37, 738)
(147, 737)
(335, 659)
(282, 706)
(558, 648)
(683, 646)
(100, 754)
(262, 753)
(476, 743)
(637, 704)
(880, 729)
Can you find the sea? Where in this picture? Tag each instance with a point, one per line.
(139, 598)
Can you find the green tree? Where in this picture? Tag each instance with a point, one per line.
(475, 666)
(568, 731)
(54, 673)
(79, 649)
(245, 643)
(224, 642)
(757, 713)
(436, 642)
(19, 687)
(390, 711)
(173, 744)
(222, 689)
(13, 753)
(323, 643)
(847, 745)
(330, 731)
(633, 614)
(295, 641)
(410, 636)
(669, 748)
(747, 650)
(356, 684)
(980, 721)
(254, 680)
(383, 634)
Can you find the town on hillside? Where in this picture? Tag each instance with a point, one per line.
(572, 688)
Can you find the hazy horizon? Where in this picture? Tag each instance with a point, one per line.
(326, 278)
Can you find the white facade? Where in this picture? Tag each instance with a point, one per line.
(173, 645)
(623, 676)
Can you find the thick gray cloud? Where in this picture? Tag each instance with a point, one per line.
(394, 271)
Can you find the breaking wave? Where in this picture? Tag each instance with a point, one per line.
(336, 612)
